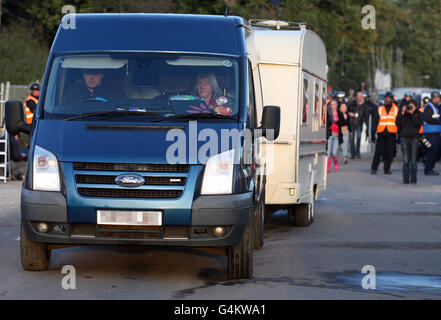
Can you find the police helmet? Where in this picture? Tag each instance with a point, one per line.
(408, 94)
(34, 86)
(434, 94)
(389, 94)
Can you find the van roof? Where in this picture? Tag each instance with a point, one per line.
(152, 32)
(292, 47)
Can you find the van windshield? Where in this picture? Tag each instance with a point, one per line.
(159, 85)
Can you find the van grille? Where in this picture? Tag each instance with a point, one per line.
(129, 193)
(130, 232)
(133, 232)
(154, 181)
(96, 179)
(99, 166)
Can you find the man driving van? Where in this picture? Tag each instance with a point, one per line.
(92, 87)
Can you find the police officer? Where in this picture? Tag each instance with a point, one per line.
(384, 125)
(432, 131)
(32, 101)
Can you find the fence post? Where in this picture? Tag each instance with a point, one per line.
(5, 164)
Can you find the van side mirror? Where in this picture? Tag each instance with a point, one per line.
(14, 118)
(271, 121)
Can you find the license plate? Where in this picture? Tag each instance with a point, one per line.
(129, 218)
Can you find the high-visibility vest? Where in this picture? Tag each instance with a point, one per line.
(422, 127)
(29, 114)
(387, 120)
(432, 128)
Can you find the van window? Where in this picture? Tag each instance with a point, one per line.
(252, 102)
(324, 105)
(165, 84)
(305, 101)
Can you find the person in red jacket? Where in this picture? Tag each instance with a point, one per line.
(334, 134)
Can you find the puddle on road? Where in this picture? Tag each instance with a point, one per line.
(396, 281)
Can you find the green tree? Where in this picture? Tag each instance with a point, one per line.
(22, 56)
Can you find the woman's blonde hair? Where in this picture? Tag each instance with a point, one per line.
(215, 90)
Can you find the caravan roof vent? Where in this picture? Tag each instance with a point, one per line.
(278, 24)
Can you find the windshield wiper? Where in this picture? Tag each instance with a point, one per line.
(194, 116)
(112, 113)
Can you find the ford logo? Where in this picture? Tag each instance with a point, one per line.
(129, 180)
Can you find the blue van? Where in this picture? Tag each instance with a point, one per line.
(125, 140)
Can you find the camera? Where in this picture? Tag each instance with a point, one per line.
(425, 142)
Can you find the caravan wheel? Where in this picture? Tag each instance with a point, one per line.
(304, 214)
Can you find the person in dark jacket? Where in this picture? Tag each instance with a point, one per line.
(432, 130)
(334, 134)
(359, 112)
(93, 86)
(406, 100)
(18, 158)
(346, 130)
(409, 123)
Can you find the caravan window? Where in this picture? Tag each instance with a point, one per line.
(317, 98)
(324, 105)
(305, 101)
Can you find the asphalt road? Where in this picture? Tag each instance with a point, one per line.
(360, 220)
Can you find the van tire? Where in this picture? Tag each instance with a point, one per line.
(259, 224)
(269, 210)
(35, 256)
(240, 257)
(303, 214)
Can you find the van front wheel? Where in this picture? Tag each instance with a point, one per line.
(259, 225)
(240, 257)
(34, 255)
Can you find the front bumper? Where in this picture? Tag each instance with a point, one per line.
(229, 211)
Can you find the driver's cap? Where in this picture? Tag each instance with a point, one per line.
(92, 71)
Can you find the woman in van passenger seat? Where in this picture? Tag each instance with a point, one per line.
(208, 89)
(334, 134)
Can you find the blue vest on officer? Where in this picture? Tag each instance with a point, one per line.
(432, 128)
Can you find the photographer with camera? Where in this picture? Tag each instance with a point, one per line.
(409, 123)
(432, 130)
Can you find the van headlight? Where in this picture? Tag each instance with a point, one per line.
(46, 175)
(218, 174)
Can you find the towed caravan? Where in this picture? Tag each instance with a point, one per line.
(291, 69)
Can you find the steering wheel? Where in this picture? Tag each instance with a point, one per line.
(94, 99)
